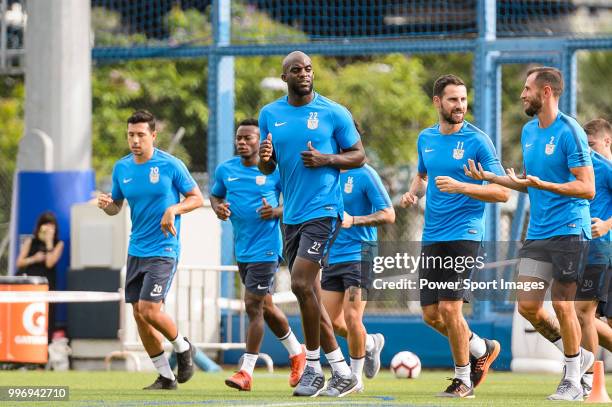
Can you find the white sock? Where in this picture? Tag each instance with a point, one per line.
(291, 343)
(357, 367)
(337, 362)
(162, 365)
(588, 379)
(463, 373)
(248, 362)
(572, 369)
(313, 359)
(559, 344)
(478, 347)
(369, 343)
(179, 344)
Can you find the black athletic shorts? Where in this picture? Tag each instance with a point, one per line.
(567, 254)
(594, 283)
(148, 278)
(340, 276)
(604, 309)
(310, 240)
(433, 270)
(258, 277)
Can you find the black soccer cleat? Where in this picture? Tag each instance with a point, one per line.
(458, 389)
(185, 363)
(162, 383)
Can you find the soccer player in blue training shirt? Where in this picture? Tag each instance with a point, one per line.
(559, 180)
(249, 199)
(346, 279)
(152, 181)
(593, 289)
(454, 227)
(310, 138)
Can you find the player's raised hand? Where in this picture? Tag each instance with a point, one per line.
(477, 173)
(265, 149)
(222, 211)
(408, 199)
(266, 211)
(528, 181)
(104, 200)
(313, 158)
(449, 185)
(167, 222)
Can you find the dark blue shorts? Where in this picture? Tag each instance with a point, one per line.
(594, 283)
(433, 270)
(310, 240)
(148, 278)
(340, 276)
(258, 277)
(567, 254)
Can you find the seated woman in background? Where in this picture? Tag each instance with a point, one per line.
(40, 253)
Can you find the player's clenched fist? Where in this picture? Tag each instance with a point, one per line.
(104, 200)
(408, 199)
(265, 149)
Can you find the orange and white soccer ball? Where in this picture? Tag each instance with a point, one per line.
(406, 365)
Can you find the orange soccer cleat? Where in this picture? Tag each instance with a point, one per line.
(240, 380)
(297, 363)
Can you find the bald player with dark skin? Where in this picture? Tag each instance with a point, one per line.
(305, 283)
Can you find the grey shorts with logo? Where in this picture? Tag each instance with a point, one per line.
(148, 278)
(310, 240)
(258, 277)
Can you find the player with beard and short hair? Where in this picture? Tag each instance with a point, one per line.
(559, 179)
(250, 200)
(454, 226)
(310, 138)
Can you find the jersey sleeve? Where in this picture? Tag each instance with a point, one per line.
(116, 189)
(344, 128)
(487, 156)
(182, 179)
(421, 165)
(218, 188)
(576, 148)
(375, 190)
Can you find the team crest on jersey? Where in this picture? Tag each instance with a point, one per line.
(260, 179)
(458, 151)
(313, 120)
(348, 186)
(550, 147)
(154, 175)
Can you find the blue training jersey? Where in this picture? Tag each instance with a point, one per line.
(308, 193)
(600, 249)
(255, 239)
(150, 188)
(363, 194)
(549, 154)
(450, 217)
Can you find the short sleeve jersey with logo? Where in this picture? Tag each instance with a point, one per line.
(450, 217)
(308, 193)
(550, 154)
(363, 194)
(600, 249)
(255, 240)
(150, 188)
